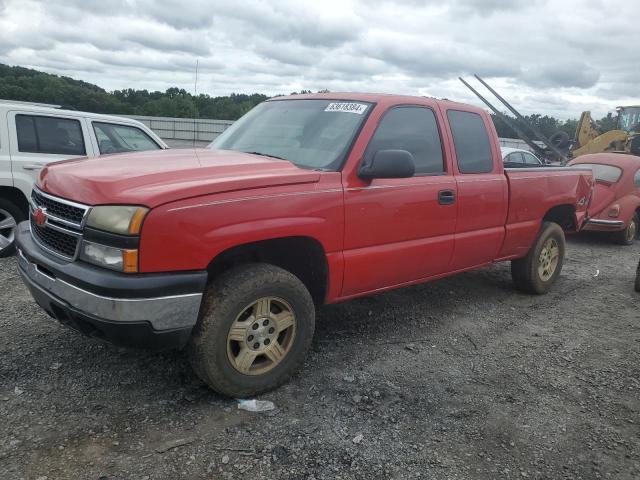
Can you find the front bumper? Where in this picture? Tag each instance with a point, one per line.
(602, 225)
(142, 310)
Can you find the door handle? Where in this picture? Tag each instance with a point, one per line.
(33, 166)
(446, 197)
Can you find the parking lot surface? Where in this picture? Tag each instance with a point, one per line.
(463, 378)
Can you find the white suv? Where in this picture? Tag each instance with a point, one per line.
(32, 135)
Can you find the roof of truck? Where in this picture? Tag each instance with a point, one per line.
(373, 98)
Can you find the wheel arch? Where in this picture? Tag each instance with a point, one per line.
(302, 256)
(15, 196)
(564, 215)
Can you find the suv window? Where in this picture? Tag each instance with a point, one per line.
(636, 179)
(471, 142)
(54, 135)
(415, 130)
(114, 138)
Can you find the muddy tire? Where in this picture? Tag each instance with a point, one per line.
(10, 216)
(628, 235)
(255, 329)
(539, 270)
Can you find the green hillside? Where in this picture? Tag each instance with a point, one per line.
(18, 83)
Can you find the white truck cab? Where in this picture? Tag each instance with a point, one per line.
(33, 135)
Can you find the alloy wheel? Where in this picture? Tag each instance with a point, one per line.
(261, 336)
(7, 229)
(548, 260)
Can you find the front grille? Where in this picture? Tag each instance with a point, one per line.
(61, 243)
(62, 230)
(61, 210)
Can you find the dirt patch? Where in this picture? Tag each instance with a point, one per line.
(461, 378)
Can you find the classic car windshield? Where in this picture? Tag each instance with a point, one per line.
(606, 173)
(309, 133)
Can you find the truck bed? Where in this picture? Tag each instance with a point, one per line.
(531, 193)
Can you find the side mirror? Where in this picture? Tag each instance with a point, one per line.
(388, 164)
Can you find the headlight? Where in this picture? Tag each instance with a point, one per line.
(125, 220)
(122, 260)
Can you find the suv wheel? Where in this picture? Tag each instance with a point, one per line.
(539, 270)
(254, 332)
(10, 216)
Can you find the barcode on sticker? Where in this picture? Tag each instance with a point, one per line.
(348, 107)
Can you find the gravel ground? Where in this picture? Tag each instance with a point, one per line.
(462, 378)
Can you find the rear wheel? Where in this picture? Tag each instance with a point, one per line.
(539, 270)
(256, 327)
(10, 216)
(628, 235)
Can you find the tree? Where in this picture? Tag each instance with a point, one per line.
(17, 83)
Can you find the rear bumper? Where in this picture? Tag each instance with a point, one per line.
(144, 310)
(596, 224)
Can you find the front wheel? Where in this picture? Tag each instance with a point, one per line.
(10, 216)
(628, 235)
(254, 332)
(539, 270)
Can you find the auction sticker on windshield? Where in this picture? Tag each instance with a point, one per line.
(349, 107)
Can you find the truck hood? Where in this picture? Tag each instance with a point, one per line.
(161, 176)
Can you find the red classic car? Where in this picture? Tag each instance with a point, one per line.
(615, 206)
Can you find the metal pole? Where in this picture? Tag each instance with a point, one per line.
(537, 132)
(506, 120)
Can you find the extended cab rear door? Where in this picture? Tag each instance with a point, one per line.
(482, 188)
(400, 230)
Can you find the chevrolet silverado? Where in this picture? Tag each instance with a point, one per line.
(306, 200)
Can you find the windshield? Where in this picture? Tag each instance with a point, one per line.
(312, 134)
(606, 173)
(629, 119)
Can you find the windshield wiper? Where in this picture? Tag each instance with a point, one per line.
(268, 155)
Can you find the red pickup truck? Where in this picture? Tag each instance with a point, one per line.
(306, 200)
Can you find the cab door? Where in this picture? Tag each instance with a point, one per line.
(37, 139)
(482, 190)
(400, 230)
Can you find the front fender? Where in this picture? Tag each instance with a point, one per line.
(187, 235)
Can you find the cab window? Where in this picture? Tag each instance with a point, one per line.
(415, 130)
(471, 142)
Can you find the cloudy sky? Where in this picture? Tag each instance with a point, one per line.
(545, 56)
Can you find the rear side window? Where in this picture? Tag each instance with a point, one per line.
(53, 135)
(515, 157)
(471, 142)
(413, 129)
(114, 138)
(530, 159)
(636, 179)
(606, 173)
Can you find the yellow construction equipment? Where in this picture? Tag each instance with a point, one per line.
(625, 139)
(559, 147)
